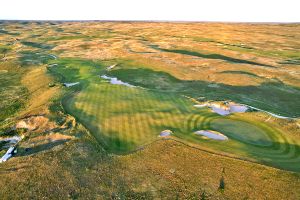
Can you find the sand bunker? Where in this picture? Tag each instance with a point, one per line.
(235, 108)
(115, 81)
(53, 65)
(212, 135)
(224, 108)
(10, 143)
(213, 85)
(220, 110)
(111, 67)
(165, 133)
(8, 154)
(53, 56)
(70, 84)
(11, 140)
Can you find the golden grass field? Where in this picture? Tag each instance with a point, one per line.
(96, 140)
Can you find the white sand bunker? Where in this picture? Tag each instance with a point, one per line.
(165, 133)
(11, 140)
(53, 56)
(115, 81)
(10, 143)
(224, 108)
(111, 67)
(212, 134)
(53, 65)
(12, 150)
(70, 84)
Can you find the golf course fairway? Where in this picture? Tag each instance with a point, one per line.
(124, 119)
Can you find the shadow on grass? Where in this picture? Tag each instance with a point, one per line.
(275, 97)
(28, 58)
(12, 169)
(211, 56)
(37, 45)
(40, 148)
(295, 61)
(240, 72)
(8, 33)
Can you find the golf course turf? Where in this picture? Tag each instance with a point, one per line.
(123, 118)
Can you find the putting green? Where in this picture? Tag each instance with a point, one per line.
(243, 132)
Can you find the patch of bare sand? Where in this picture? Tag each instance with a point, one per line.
(36, 123)
(42, 124)
(42, 139)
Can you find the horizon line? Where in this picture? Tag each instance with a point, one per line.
(152, 21)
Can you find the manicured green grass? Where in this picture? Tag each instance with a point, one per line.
(123, 118)
(271, 96)
(262, 142)
(251, 134)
